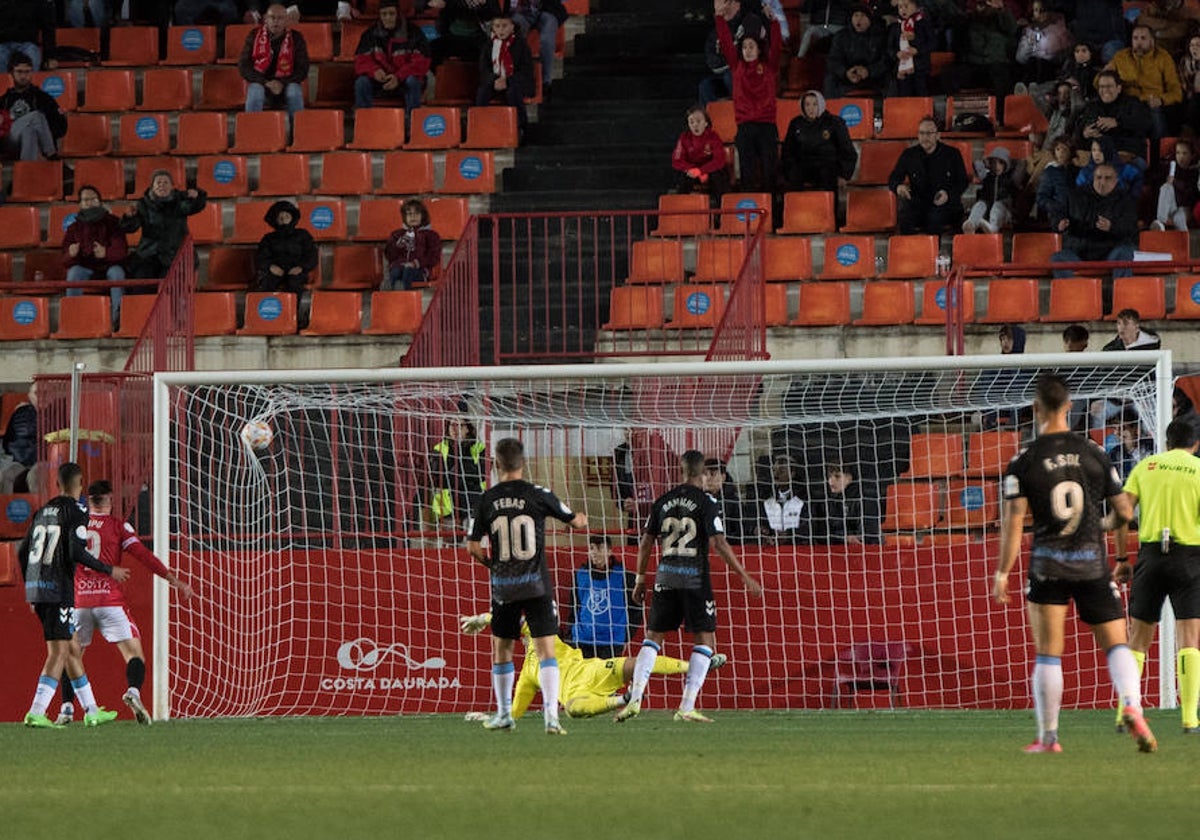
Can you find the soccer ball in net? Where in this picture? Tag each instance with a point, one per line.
(257, 435)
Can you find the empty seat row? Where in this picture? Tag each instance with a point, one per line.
(215, 313)
(945, 454)
(924, 505)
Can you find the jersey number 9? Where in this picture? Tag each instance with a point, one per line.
(515, 538)
(1066, 500)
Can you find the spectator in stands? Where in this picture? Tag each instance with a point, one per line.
(287, 254)
(100, 11)
(161, 215)
(94, 247)
(1100, 22)
(1184, 409)
(1101, 223)
(1178, 178)
(1189, 82)
(999, 181)
(699, 159)
(210, 12)
(37, 123)
(781, 506)
(1079, 71)
(391, 61)
(1056, 182)
(463, 28)
(1063, 107)
(1043, 44)
(274, 61)
(506, 69)
(1005, 383)
(1129, 444)
(929, 179)
(857, 56)
(817, 151)
(413, 252)
(826, 18)
(910, 41)
(721, 487)
(457, 473)
(1171, 21)
(1148, 73)
(20, 446)
(1131, 335)
(991, 29)
(1075, 338)
(743, 19)
(1132, 176)
(27, 28)
(1115, 114)
(848, 512)
(545, 16)
(755, 71)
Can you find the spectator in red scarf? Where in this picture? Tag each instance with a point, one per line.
(274, 61)
(506, 68)
(391, 60)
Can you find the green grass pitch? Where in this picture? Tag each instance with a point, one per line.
(750, 775)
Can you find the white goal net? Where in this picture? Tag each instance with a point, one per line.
(321, 515)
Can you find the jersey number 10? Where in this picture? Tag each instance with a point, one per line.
(514, 539)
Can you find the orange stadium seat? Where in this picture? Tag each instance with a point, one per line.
(887, 303)
(1011, 302)
(470, 172)
(775, 304)
(44, 264)
(62, 85)
(334, 313)
(221, 89)
(978, 249)
(84, 38)
(352, 31)
(858, 113)
(83, 316)
(448, 216)
(215, 313)
(269, 313)
(491, 127)
(912, 256)
(455, 83)
(318, 130)
(229, 269)
(16, 511)
(135, 312)
(1173, 242)
(1187, 299)
(787, 258)
(682, 215)
(407, 173)
(88, 135)
(357, 267)
(20, 226)
(734, 218)
(935, 455)
(24, 318)
(61, 217)
(723, 122)
(346, 173)
(144, 134)
(335, 86)
(786, 110)
(105, 174)
(877, 160)
(656, 261)
(283, 174)
(635, 308)
(395, 313)
(207, 227)
(36, 180)
(249, 224)
(697, 307)
(132, 46)
(109, 90)
(1075, 299)
(201, 133)
(952, 111)
(1035, 249)
(808, 212)
(719, 260)
(145, 167)
(934, 298)
(988, 453)
(191, 45)
(913, 506)
(823, 305)
(259, 132)
(325, 218)
(318, 37)
(1145, 294)
(972, 504)
(377, 218)
(901, 114)
(378, 128)
(234, 40)
(222, 176)
(870, 211)
(1022, 117)
(848, 258)
(435, 128)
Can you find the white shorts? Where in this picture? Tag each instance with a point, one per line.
(115, 623)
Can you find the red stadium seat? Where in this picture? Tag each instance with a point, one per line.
(23, 318)
(283, 174)
(823, 305)
(635, 308)
(201, 133)
(357, 267)
(656, 261)
(133, 46)
(109, 90)
(407, 173)
(435, 128)
(787, 258)
(469, 172)
(697, 307)
(682, 215)
(88, 135)
(887, 303)
(269, 313)
(82, 317)
(144, 134)
(222, 176)
(188, 45)
(395, 313)
(346, 173)
(934, 299)
(318, 130)
(808, 212)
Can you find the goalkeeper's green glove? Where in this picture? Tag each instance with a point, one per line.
(473, 624)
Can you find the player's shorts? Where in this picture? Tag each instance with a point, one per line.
(58, 622)
(115, 624)
(695, 609)
(541, 614)
(1159, 576)
(1097, 601)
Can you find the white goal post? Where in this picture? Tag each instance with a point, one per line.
(327, 547)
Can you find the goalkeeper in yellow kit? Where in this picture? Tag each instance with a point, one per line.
(589, 686)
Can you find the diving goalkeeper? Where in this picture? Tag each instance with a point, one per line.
(589, 686)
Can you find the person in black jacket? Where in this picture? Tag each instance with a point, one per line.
(27, 27)
(506, 68)
(1126, 119)
(857, 56)
(545, 16)
(737, 520)
(848, 512)
(287, 254)
(928, 180)
(37, 121)
(1101, 223)
(817, 151)
(161, 214)
(462, 27)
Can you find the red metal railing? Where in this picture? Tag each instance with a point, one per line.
(449, 332)
(168, 341)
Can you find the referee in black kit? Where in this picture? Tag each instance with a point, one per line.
(1167, 486)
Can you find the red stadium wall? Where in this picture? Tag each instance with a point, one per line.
(361, 623)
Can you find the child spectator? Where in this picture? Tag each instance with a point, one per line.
(910, 40)
(1179, 179)
(1056, 182)
(161, 214)
(1062, 109)
(699, 157)
(94, 246)
(992, 210)
(1080, 71)
(754, 82)
(506, 69)
(1131, 176)
(413, 251)
(287, 254)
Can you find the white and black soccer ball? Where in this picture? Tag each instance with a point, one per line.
(257, 435)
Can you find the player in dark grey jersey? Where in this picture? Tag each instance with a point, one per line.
(55, 543)
(1064, 479)
(512, 514)
(687, 521)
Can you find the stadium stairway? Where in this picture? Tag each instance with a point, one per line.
(602, 142)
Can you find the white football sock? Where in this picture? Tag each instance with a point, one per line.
(46, 688)
(642, 669)
(503, 676)
(549, 677)
(83, 692)
(1047, 694)
(1123, 669)
(697, 671)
